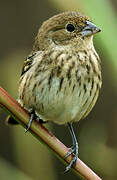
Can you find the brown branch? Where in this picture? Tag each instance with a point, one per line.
(41, 133)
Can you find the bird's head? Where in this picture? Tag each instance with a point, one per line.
(64, 29)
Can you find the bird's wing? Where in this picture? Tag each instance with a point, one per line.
(27, 63)
(26, 66)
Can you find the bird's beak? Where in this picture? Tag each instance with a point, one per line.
(90, 29)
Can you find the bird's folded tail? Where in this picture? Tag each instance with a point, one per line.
(11, 121)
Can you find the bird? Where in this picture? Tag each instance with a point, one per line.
(61, 78)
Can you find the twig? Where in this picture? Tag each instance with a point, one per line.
(41, 133)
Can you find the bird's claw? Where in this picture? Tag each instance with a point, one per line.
(73, 150)
(30, 122)
(33, 116)
(73, 161)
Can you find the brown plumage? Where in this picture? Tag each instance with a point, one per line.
(61, 79)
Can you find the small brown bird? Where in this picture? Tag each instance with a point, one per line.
(61, 79)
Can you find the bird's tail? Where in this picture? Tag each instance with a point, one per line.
(11, 121)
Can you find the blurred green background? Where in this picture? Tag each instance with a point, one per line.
(22, 157)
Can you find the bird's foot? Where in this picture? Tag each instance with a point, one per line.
(33, 116)
(73, 150)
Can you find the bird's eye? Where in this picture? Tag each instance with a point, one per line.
(70, 27)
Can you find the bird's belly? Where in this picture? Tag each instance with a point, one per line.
(69, 103)
(60, 100)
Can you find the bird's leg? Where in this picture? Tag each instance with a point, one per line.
(73, 150)
(33, 116)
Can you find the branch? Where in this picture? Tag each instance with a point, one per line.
(41, 133)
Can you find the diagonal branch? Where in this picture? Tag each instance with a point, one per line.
(41, 133)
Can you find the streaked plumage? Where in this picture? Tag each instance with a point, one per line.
(61, 79)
